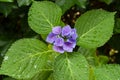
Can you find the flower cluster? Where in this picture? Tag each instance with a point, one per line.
(63, 39)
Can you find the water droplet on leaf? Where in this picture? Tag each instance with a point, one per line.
(19, 76)
(28, 76)
(35, 66)
(6, 58)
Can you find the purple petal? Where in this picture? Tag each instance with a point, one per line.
(51, 37)
(58, 49)
(73, 31)
(57, 30)
(72, 41)
(73, 34)
(66, 30)
(59, 42)
(68, 46)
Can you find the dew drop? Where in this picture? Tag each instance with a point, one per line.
(13, 74)
(6, 58)
(35, 66)
(48, 61)
(19, 69)
(14, 61)
(18, 76)
(28, 76)
(86, 66)
(85, 72)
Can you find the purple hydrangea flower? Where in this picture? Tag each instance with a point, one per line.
(57, 30)
(51, 37)
(58, 49)
(68, 46)
(59, 42)
(63, 39)
(73, 34)
(66, 30)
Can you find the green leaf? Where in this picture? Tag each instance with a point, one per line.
(90, 55)
(43, 16)
(51, 77)
(25, 58)
(46, 74)
(107, 1)
(42, 75)
(65, 4)
(107, 72)
(81, 3)
(71, 66)
(24, 2)
(6, 0)
(103, 59)
(91, 74)
(94, 28)
(87, 52)
(9, 78)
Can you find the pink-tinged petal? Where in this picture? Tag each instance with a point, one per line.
(58, 49)
(66, 30)
(59, 42)
(57, 30)
(67, 46)
(51, 38)
(73, 34)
